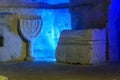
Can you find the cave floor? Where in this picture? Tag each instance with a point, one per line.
(59, 71)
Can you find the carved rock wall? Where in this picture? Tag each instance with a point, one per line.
(13, 46)
(93, 15)
(54, 21)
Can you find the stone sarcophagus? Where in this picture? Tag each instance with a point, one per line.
(82, 46)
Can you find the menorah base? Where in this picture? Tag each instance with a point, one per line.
(29, 59)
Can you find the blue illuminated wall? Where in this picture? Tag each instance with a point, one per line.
(54, 21)
(114, 30)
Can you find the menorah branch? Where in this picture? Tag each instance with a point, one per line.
(30, 29)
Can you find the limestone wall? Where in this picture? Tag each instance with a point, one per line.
(92, 15)
(13, 48)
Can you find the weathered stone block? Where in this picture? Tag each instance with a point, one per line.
(84, 47)
(13, 47)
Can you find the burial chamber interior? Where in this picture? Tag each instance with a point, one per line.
(58, 17)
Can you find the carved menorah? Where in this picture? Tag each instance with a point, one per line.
(30, 28)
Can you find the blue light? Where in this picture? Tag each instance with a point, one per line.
(46, 1)
(57, 1)
(54, 21)
(114, 30)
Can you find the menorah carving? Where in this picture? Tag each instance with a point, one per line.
(30, 29)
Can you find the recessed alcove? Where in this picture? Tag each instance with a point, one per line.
(1, 41)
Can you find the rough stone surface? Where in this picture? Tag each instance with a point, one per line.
(12, 48)
(82, 46)
(3, 78)
(93, 15)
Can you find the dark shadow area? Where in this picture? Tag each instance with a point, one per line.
(93, 15)
(117, 24)
(1, 41)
